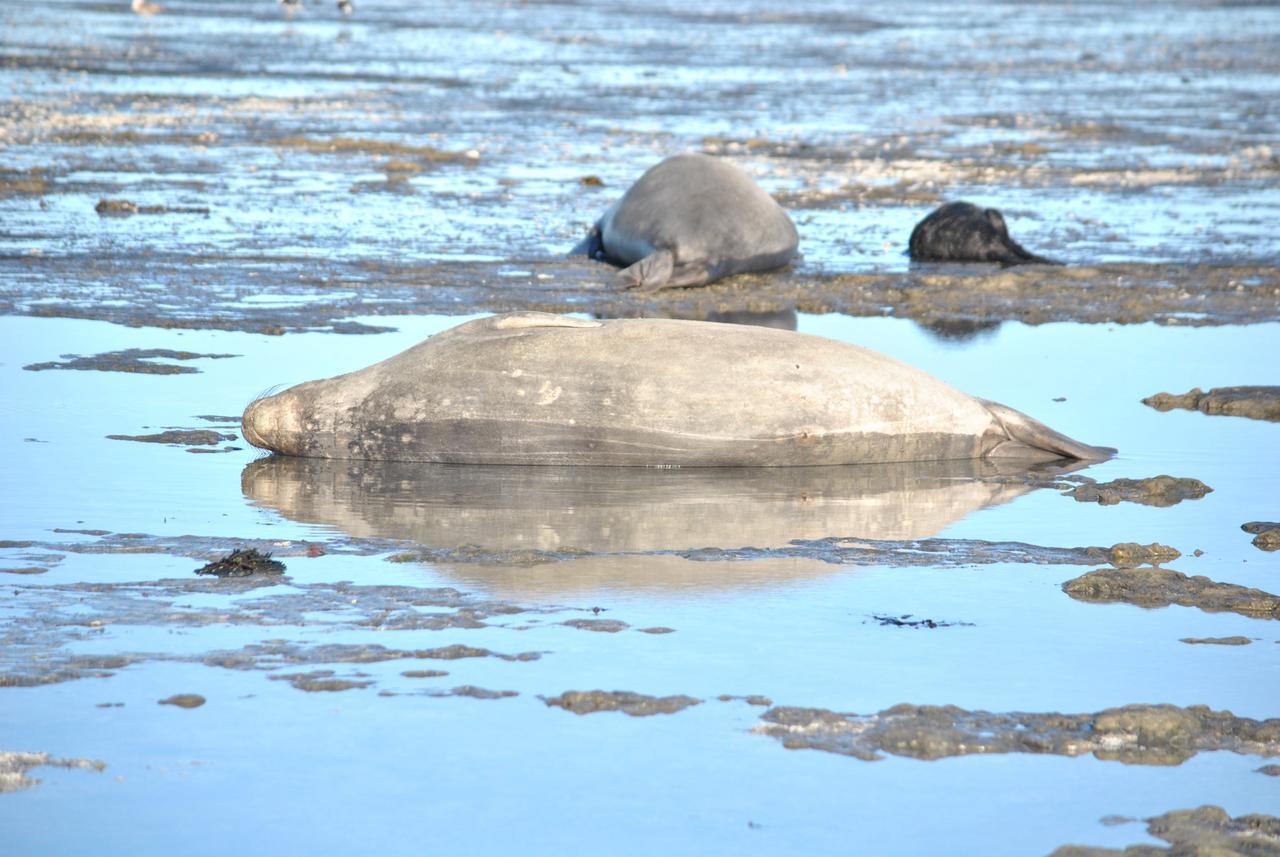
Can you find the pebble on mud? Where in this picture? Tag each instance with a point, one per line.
(243, 563)
(1133, 734)
(1266, 534)
(634, 704)
(1256, 403)
(1162, 587)
(184, 700)
(1157, 491)
(1208, 831)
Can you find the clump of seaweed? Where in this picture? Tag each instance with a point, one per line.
(243, 562)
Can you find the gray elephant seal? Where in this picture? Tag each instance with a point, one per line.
(534, 388)
(690, 220)
(962, 232)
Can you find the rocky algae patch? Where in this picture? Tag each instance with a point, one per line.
(1163, 587)
(1266, 534)
(1256, 403)
(628, 702)
(1207, 831)
(1160, 491)
(1133, 734)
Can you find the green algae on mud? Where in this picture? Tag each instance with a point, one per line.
(1133, 734)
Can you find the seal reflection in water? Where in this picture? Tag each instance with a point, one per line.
(690, 220)
(962, 232)
(534, 388)
(618, 527)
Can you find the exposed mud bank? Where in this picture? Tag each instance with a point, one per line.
(1134, 734)
(197, 294)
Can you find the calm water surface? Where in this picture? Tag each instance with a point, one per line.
(1105, 132)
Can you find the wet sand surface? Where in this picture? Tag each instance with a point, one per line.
(207, 202)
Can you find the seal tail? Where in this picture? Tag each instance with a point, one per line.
(1025, 434)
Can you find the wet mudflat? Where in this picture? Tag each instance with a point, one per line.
(230, 184)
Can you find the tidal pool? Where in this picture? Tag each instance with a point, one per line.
(502, 660)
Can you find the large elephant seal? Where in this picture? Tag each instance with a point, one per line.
(688, 221)
(962, 232)
(534, 388)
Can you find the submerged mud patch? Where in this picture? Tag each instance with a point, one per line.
(184, 700)
(1217, 641)
(628, 702)
(39, 626)
(1134, 734)
(321, 681)
(607, 626)
(1163, 587)
(1207, 831)
(1160, 491)
(1257, 403)
(14, 768)
(135, 360)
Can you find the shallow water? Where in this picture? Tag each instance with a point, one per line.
(1135, 149)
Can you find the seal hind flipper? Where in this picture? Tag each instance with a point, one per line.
(649, 274)
(1025, 433)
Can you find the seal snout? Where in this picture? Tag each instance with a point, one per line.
(265, 422)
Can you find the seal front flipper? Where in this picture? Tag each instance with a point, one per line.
(650, 273)
(591, 246)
